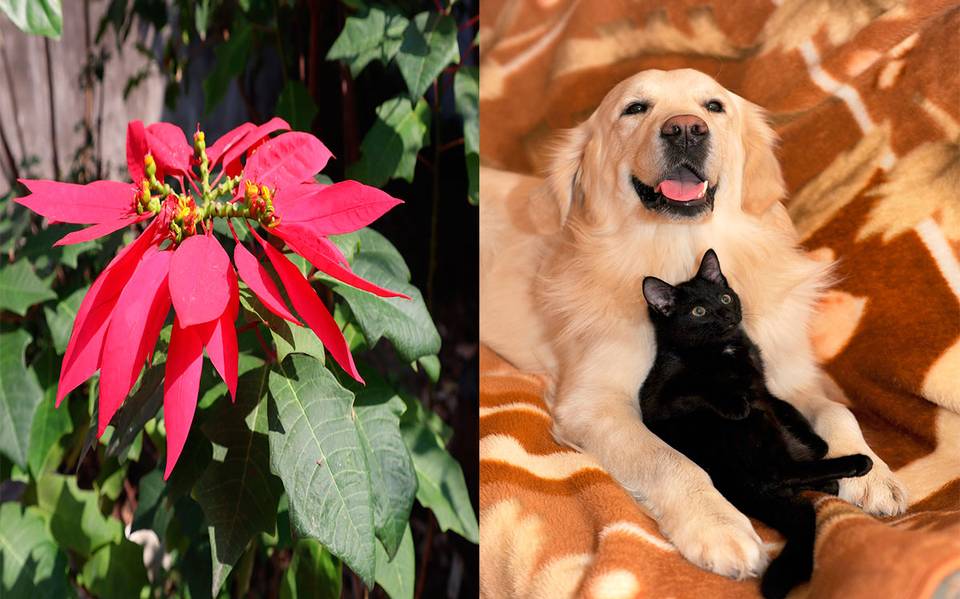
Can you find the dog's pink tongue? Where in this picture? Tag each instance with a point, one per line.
(682, 191)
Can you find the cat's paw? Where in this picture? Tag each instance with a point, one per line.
(734, 408)
(712, 534)
(878, 492)
(818, 447)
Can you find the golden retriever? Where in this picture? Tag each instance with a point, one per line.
(669, 165)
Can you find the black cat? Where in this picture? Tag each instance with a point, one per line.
(706, 396)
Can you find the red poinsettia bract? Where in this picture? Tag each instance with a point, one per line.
(178, 262)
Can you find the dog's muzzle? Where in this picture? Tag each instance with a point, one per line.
(656, 199)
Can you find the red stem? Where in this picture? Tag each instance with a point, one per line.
(425, 162)
(271, 357)
(473, 21)
(248, 326)
(451, 144)
(425, 558)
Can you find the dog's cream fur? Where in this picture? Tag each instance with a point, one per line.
(561, 268)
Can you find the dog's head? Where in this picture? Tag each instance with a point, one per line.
(667, 145)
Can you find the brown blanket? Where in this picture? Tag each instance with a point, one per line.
(866, 98)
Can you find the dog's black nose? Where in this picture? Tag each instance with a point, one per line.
(684, 130)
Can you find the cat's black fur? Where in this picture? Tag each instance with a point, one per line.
(706, 396)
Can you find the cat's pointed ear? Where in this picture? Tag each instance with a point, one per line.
(661, 296)
(710, 269)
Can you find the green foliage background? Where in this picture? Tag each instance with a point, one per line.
(304, 487)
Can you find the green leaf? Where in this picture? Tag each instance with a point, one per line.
(237, 491)
(109, 483)
(20, 393)
(473, 178)
(442, 487)
(374, 34)
(392, 477)
(195, 565)
(316, 450)
(134, 413)
(397, 576)
(376, 248)
(75, 519)
(416, 412)
(313, 573)
(151, 513)
(466, 85)
(220, 226)
(231, 60)
(429, 45)
(301, 340)
(389, 149)
(431, 366)
(20, 288)
(40, 252)
(61, 320)
(50, 423)
(193, 462)
(202, 17)
(116, 571)
(405, 322)
(15, 221)
(30, 563)
(287, 337)
(296, 106)
(39, 17)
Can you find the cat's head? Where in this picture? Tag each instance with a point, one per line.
(697, 312)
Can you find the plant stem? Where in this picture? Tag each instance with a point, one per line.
(53, 110)
(8, 73)
(473, 21)
(313, 51)
(451, 144)
(86, 161)
(425, 556)
(244, 569)
(435, 209)
(279, 41)
(13, 175)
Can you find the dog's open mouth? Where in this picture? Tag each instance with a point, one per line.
(683, 185)
(684, 191)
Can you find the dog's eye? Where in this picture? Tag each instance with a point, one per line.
(636, 108)
(725, 299)
(714, 106)
(698, 311)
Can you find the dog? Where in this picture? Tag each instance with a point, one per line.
(669, 165)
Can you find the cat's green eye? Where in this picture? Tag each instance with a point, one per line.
(699, 311)
(725, 299)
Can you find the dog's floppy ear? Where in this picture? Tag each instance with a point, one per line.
(762, 178)
(562, 185)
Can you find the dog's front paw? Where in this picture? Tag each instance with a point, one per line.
(712, 534)
(877, 492)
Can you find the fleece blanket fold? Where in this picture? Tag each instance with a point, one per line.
(865, 96)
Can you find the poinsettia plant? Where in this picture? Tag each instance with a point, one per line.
(296, 479)
(287, 446)
(177, 261)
